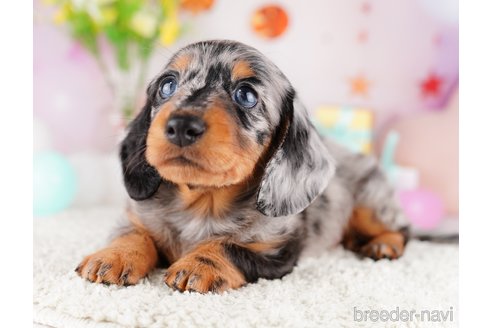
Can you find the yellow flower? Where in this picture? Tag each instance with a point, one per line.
(104, 2)
(170, 6)
(62, 14)
(108, 16)
(169, 30)
(144, 23)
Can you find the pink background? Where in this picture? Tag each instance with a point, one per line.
(396, 46)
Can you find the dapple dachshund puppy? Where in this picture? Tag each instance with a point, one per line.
(230, 182)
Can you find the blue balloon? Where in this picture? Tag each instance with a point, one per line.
(55, 183)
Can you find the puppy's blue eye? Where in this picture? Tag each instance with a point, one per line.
(245, 96)
(168, 87)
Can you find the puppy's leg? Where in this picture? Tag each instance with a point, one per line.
(126, 260)
(206, 268)
(221, 265)
(366, 235)
(377, 228)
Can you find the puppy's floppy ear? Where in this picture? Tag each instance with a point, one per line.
(300, 167)
(141, 179)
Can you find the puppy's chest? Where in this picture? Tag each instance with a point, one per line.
(173, 225)
(177, 230)
(191, 228)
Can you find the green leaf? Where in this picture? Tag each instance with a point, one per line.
(146, 47)
(122, 55)
(84, 30)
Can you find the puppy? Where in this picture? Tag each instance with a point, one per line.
(230, 182)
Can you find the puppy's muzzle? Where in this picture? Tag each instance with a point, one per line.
(184, 130)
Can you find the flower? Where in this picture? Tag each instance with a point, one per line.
(169, 30)
(108, 15)
(130, 27)
(144, 23)
(61, 16)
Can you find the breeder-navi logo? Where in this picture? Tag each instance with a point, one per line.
(403, 315)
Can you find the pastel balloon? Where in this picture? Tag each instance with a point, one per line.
(428, 142)
(423, 208)
(93, 185)
(55, 183)
(99, 179)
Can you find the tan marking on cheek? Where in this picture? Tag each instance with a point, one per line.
(242, 70)
(181, 63)
(221, 144)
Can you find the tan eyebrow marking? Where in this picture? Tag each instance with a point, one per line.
(181, 63)
(242, 70)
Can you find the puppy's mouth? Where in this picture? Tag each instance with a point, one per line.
(182, 161)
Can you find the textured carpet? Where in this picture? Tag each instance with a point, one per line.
(321, 292)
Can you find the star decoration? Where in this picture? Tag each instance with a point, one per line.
(362, 36)
(431, 86)
(366, 8)
(359, 85)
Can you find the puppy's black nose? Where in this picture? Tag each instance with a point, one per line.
(184, 130)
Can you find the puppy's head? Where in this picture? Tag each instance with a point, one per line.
(218, 114)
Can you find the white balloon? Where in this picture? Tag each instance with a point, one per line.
(100, 179)
(91, 175)
(42, 139)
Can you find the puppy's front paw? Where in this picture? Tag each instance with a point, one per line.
(389, 245)
(202, 274)
(114, 265)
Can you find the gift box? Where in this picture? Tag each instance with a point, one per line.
(349, 126)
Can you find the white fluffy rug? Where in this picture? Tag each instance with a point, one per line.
(321, 292)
